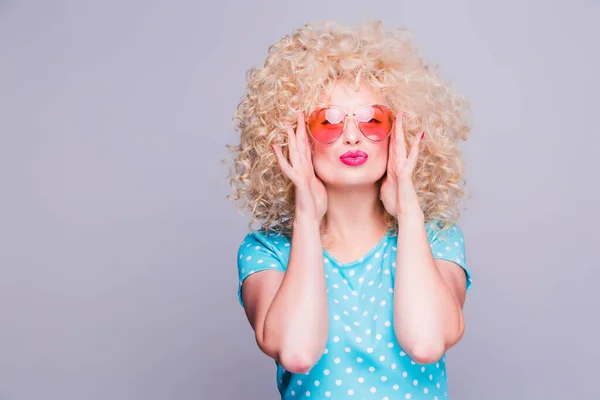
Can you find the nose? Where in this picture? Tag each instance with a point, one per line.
(351, 135)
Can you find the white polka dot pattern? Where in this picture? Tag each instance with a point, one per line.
(362, 358)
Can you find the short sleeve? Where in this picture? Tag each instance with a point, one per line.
(449, 244)
(258, 252)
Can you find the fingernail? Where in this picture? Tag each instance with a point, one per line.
(273, 147)
(423, 135)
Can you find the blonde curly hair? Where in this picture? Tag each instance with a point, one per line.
(304, 65)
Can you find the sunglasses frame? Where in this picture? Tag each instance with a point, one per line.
(355, 121)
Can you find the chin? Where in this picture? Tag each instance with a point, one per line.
(351, 180)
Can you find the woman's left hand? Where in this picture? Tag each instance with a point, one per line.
(397, 190)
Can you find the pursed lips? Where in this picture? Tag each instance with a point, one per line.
(354, 158)
(354, 154)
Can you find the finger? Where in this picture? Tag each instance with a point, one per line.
(414, 150)
(400, 152)
(283, 163)
(301, 135)
(292, 145)
(309, 150)
(309, 143)
(392, 152)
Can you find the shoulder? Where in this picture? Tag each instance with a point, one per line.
(259, 251)
(448, 243)
(261, 241)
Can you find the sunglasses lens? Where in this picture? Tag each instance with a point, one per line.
(375, 122)
(326, 124)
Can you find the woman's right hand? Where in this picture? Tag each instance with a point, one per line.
(310, 194)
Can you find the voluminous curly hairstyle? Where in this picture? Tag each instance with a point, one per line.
(303, 66)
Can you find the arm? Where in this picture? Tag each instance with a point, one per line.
(289, 311)
(429, 295)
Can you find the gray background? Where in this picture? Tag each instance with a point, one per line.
(117, 245)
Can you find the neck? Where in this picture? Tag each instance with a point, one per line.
(355, 213)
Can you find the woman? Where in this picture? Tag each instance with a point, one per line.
(355, 282)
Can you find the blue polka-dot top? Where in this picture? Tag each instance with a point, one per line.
(362, 359)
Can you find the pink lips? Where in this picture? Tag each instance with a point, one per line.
(354, 158)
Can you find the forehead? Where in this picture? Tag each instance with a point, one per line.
(350, 97)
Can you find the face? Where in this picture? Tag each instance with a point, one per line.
(336, 163)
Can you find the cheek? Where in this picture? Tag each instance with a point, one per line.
(384, 151)
(381, 154)
(320, 159)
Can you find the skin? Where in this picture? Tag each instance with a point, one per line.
(288, 311)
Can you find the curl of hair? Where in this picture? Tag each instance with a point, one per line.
(306, 64)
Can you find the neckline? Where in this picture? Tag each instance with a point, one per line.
(360, 260)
